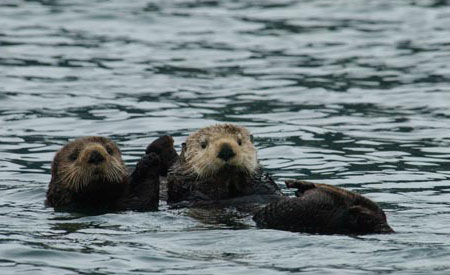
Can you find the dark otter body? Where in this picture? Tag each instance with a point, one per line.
(323, 209)
(217, 167)
(99, 195)
(218, 163)
(228, 183)
(89, 174)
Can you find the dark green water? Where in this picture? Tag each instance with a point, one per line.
(350, 93)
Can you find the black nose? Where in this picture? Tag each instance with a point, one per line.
(96, 157)
(226, 152)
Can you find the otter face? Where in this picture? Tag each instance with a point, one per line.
(88, 160)
(215, 147)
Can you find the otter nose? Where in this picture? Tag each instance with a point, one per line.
(226, 152)
(96, 157)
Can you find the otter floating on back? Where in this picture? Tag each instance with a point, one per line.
(218, 162)
(324, 209)
(89, 174)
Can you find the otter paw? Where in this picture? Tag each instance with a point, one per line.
(160, 144)
(148, 160)
(300, 185)
(147, 166)
(163, 147)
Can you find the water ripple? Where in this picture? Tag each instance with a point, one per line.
(349, 93)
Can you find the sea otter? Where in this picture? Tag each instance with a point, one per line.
(323, 209)
(218, 163)
(89, 174)
(218, 166)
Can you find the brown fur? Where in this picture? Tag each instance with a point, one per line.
(200, 178)
(203, 162)
(164, 148)
(325, 209)
(89, 173)
(205, 171)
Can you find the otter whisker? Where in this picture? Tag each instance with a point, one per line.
(113, 175)
(69, 175)
(81, 182)
(218, 161)
(74, 173)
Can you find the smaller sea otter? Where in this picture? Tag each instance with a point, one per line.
(323, 209)
(88, 173)
(217, 163)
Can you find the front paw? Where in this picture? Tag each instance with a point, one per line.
(147, 164)
(149, 160)
(160, 145)
(163, 147)
(300, 185)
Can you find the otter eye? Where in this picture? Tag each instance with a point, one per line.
(251, 138)
(74, 155)
(109, 150)
(239, 141)
(204, 144)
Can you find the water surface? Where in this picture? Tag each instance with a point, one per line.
(350, 93)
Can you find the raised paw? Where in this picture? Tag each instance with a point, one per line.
(149, 160)
(163, 147)
(148, 164)
(143, 190)
(160, 145)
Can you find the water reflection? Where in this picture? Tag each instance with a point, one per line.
(348, 93)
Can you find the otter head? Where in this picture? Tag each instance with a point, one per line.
(210, 149)
(88, 160)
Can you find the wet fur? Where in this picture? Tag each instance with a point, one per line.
(164, 148)
(197, 179)
(77, 184)
(199, 175)
(323, 209)
(203, 162)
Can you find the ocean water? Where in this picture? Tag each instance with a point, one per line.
(346, 92)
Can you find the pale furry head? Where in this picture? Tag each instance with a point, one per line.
(87, 160)
(218, 146)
